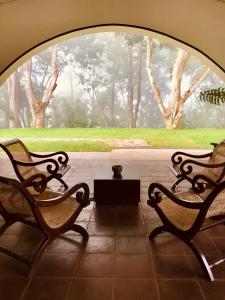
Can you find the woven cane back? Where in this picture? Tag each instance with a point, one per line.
(217, 157)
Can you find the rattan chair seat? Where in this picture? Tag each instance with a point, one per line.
(180, 216)
(57, 215)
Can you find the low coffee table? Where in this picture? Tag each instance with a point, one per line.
(110, 190)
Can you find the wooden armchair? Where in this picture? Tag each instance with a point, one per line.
(186, 165)
(183, 214)
(51, 212)
(53, 165)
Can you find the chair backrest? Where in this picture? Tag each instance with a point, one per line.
(217, 157)
(217, 208)
(13, 201)
(16, 150)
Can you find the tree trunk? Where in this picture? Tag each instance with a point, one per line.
(113, 93)
(130, 99)
(39, 119)
(13, 90)
(113, 100)
(136, 110)
(38, 107)
(172, 114)
(155, 90)
(168, 123)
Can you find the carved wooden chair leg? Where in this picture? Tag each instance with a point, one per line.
(81, 230)
(156, 231)
(202, 260)
(37, 256)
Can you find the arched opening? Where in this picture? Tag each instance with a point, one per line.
(142, 79)
(117, 260)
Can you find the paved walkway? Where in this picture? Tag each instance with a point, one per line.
(118, 143)
(134, 154)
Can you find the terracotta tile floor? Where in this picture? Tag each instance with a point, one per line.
(118, 261)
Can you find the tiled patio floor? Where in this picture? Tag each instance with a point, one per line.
(118, 262)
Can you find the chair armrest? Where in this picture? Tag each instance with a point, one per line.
(177, 158)
(156, 196)
(81, 197)
(201, 182)
(62, 158)
(186, 168)
(37, 181)
(52, 165)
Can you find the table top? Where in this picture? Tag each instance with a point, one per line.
(128, 173)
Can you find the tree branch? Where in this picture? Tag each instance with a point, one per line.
(178, 71)
(54, 72)
(195, 84)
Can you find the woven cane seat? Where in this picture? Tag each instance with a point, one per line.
(14, 202)
(180, 216)
(57, 215)
(183, 217)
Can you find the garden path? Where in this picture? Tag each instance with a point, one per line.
(117, 143)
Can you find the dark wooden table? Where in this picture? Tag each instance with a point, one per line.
(110, 190)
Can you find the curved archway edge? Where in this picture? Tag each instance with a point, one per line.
(207, 60)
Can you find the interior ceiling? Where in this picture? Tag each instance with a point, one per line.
(25, 23)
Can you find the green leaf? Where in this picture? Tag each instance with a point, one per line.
(213, 96)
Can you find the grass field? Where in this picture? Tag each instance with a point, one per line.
(68, 146)
(156, 138)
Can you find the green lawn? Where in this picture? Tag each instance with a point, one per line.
(68, 146)
(156, 138)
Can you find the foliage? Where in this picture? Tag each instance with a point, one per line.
(66, 113)
(98, 73)
(213, 96)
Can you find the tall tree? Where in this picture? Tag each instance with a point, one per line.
(114, 73)
(172, 112)
(89, 66)
(134, 43)
(130, 90)
(139, 81)
(38, 106)
(13, 91)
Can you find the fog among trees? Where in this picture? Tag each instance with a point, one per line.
(110, 80)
